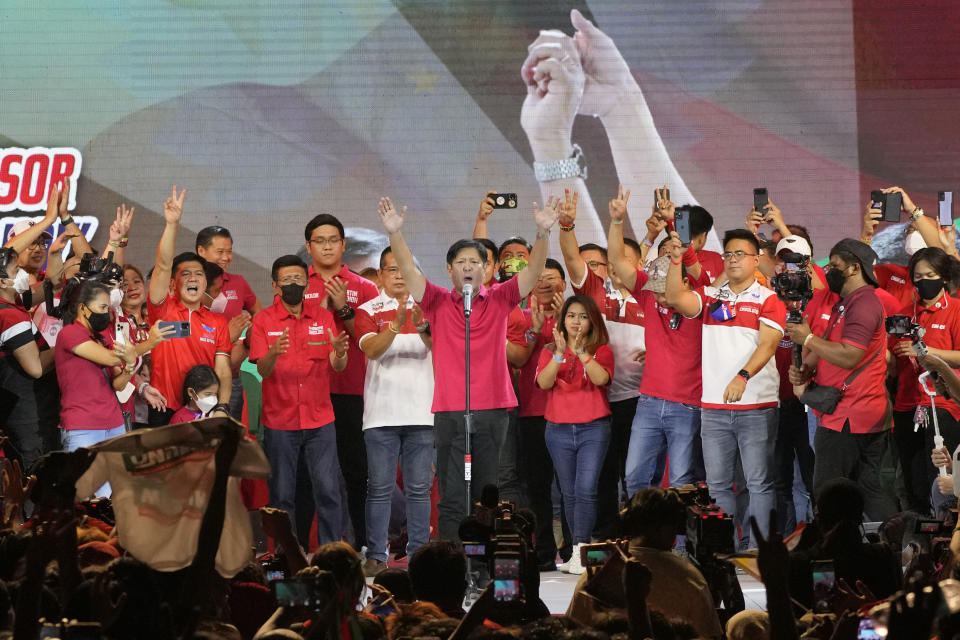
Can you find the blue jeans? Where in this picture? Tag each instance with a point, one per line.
(658, 426)
(413, 447)
(752, 433)
(577, 451)
(73, 439)
(319, 450)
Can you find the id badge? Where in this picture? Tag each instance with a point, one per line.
(721, 311)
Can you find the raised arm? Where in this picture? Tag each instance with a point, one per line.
(486, 208)
(686, 302)
(23, 241)
(160, 281)
(569, 247)
(119, 232)
(615, 257)
(80, 244)
(544, 219)
(392, 221)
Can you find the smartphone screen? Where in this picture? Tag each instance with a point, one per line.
(869, 630)
(824, 577)
(475, 549)
(504, 568)
(298, 592)
(760, 199)
(506, 590)
(946, 208)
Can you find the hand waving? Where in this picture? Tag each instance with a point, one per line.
(391, 219)
(173, 206)
(545, 218)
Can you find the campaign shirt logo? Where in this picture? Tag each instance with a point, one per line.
(274, 333)
(310, 296)
(786, 343)
(208, 334)
(898, 280)
(377, 306)
(231, 295)
(353, 296)
(315, 330)
(207, 329)
(938, 326)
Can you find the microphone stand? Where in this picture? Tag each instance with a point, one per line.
(473, 588)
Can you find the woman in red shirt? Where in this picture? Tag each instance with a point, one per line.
(932, 272)
(575, 376)
(90, 368)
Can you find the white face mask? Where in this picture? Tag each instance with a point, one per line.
(205, 405)
(116, 297)
(22, 282)
(913, 243)
(219, 304)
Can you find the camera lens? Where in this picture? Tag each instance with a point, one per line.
(501, 199)
(512, 203)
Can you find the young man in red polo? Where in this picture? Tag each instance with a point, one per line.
(491, 390)
(176, 294)
(341, 291)
(297, 353)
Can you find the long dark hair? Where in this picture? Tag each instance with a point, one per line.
(85, 293)
(598, 330)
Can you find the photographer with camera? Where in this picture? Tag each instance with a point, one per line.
(929, 325)
(678, 589)
(846, 364)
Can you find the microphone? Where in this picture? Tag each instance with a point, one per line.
(467, 298)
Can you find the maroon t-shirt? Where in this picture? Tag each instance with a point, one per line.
(87, 399)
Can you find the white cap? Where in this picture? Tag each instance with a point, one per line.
(23, 225)
(796, 244)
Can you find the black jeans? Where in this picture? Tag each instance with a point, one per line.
(508, 479)
(449, 427)
(913, 458)
(611, 486)
(536, 469)
(857, 456)
(352, 453)
(793, 441)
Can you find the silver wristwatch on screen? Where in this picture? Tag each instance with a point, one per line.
(573, 167)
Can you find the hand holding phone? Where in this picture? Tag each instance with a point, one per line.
(181, 328)
(681, 223)
(760, 199)
(504, 200)
(945, 199)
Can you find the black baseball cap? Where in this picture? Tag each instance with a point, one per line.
(864, 254)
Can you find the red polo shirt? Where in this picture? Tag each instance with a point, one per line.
(612, 305)
(239, 295)
(87, 399)
(895, 279)
(171, 359)
(573, 398)
(297, 394)
(359, 290)
(942, 322)
(858, 320)
(490, 385)
(673, 354)
(533, 399)
(16, 329)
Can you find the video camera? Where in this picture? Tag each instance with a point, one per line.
(707, 527)
(103, 270)
(794, 286)
(502, 540)
(902, 326)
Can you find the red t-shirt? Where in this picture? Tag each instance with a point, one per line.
(359, 290)
(16, 328)
(184, 414)
(711, 266)
(942, 322)
(297, 394)
(490, 385)
(87, 399)
(858, 320)
(239, 295)
(613, 307)
(172, 359)
(533, 399)
(573, 398)
(895, 280)
(673, 354)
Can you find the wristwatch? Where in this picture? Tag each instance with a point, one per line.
(573, 167)
(743, 373)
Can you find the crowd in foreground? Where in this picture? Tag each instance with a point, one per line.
(669, 364)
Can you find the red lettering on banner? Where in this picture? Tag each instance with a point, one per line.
(26, 176)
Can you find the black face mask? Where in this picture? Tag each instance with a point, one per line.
(835, 280)
(99, 321)
(929, 288)
(292, 294)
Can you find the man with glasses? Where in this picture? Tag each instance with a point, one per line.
(491, 391)
(335, 287)
(297, 349)
(397, 421)
(742, 323)
(590, 275)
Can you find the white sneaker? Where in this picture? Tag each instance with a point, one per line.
(574, 567)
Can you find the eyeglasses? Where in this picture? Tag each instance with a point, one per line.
(593, 264)
(43, 243)
(327, 241)
(739, 255)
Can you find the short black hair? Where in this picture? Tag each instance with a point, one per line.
(740, 234)
(633, 244)
(700, 219)
(206, 235)
(198, 377)
(514, 240)
(438, 572)
(319, 221)
(491, 247)
(466, 243)
(650, 509)
(553, 264)
(383, 254)
(590, 246)
(945, 265)
(186, 256)
(287, 261)
(212, 271)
